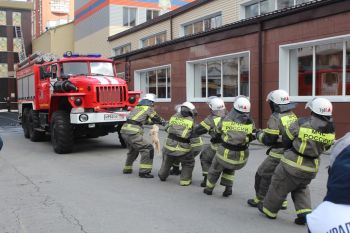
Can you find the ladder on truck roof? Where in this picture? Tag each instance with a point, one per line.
(19, 35)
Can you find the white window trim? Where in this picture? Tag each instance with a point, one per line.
(284, 67)
(119, 47)
(136, 16)
(246, 3)
(152, 35)
(137, 81)
(216, 14)
(190, 78)
(153, 10)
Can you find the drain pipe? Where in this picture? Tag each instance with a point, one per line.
(260, 90)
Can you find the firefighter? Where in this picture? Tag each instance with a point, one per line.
(282, 116)
(209, 125)
(132, 133)
(177, 147)
(232, 154)
(307, 138)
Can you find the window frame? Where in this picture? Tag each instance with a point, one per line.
(137, 81)
(136, 14)
(190, 75)
(214, 15)
(284, 67)
(152, 14)
(120, 47)
(251, 2)
(142, 40)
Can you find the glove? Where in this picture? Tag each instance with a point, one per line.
(256, 134)
(164, 123)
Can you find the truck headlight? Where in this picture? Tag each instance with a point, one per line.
(78, 101)
(83, 118)
(132, 99)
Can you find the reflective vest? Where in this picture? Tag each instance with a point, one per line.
(179, 130)
(308, 145)
(140, 115)
(233, 131)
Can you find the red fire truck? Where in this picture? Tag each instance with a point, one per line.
(70, 97)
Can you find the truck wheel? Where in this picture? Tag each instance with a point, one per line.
(33, 123)
(25, 127)
(121, 140)
(62, 135)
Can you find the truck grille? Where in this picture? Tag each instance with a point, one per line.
(111, 95)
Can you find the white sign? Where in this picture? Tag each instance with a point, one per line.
(60, 6)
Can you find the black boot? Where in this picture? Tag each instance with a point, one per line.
(284, 205)
(204, 182)
(208, 191)
(227, 192)
(253, 202)
(175, 171)
(146, 175)
(301, 219)
(261, 209)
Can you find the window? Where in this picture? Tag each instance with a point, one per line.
(317, 68)
(17, 45)
(256, 8)
(3, 44)
(122, 49)
(121, 75)
(102, 68)
(154, 39)
(284, 4)
(16, 18)
(227, 76)
(155, 80)
(3, 18)
(202, 25)
(129, 16)
(3, 70)
(151, 14)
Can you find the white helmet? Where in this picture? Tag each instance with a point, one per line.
(242, 104)
(320, 106)
(216, 104)
(190, 106)
(150, 97)
(278, 97)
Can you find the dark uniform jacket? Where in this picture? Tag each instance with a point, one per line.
(236, 132)
(308, 138)
(141, 115)
(276, 128)
(180, 132)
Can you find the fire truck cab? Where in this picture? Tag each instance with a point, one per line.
(74, 96)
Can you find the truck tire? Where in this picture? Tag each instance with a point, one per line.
(25, 126)
(62, 135)
(33, 123)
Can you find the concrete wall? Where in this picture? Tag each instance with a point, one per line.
(57, 40)
(94, 43)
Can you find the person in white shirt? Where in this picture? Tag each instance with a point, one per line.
(333, 214)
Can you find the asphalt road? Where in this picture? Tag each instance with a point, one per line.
(42, 192)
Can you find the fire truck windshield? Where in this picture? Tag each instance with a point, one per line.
(102, 68)
(82, 68)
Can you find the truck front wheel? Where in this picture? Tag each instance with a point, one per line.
(62, 135)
